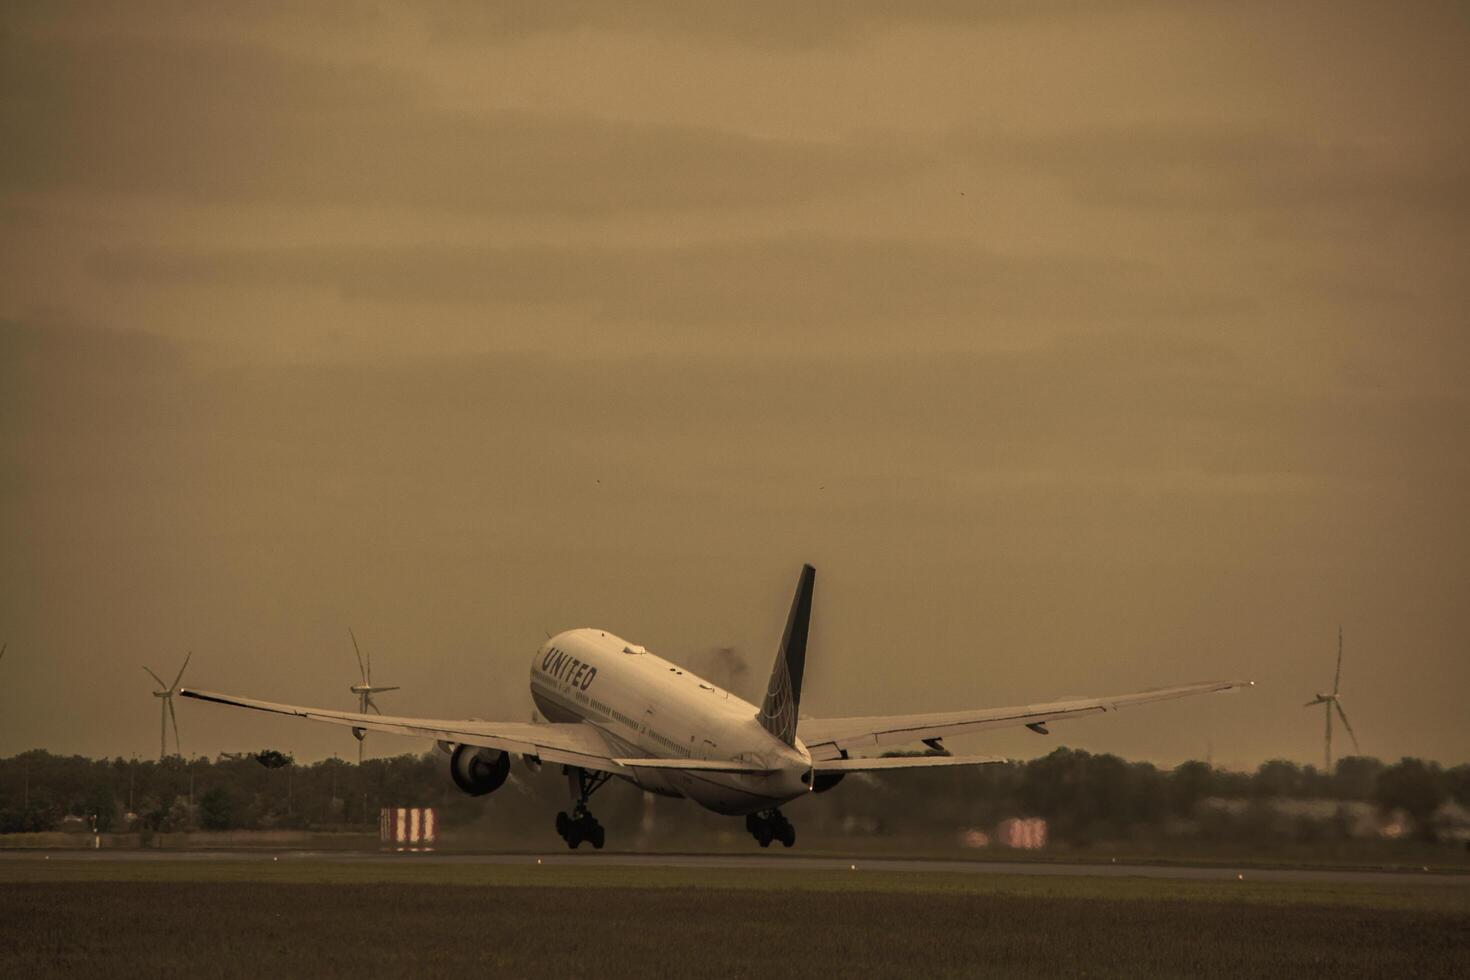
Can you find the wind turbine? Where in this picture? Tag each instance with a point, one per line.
(364, 691)
(1331, 701)
(166, 710)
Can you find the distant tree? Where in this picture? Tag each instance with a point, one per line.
(272, 759)
(1415, 787)
(1231, 784)
(1087, 797)
(1277, 778)
(217, 809)
(29, 817)
(1355, 777)
(1457, 782)
(102, 804)
(1190, 783)
(1051, 785)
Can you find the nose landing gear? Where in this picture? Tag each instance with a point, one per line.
(769, 825)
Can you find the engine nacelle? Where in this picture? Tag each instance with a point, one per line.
(825, 781)
(477, 770)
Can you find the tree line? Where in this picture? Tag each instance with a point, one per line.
(1084, 797)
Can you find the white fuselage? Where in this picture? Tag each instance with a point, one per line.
(649, 708)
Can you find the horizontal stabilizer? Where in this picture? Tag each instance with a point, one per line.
(905, 762)
(696, 765)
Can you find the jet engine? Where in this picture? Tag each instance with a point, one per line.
(477, 770)
(825, 781)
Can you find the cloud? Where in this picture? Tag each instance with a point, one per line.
(1224, 169)
(825, 284)
(209, 122)
(54, 368)
(112, 438)
(761, 23)
(756, 23)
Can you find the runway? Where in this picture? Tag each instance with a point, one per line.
(770, 862)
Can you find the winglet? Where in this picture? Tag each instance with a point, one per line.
(783, 693)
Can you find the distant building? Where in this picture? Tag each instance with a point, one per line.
(974, 837)
(412, 827)
(1022, 833)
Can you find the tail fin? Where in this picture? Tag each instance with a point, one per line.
(783, 694)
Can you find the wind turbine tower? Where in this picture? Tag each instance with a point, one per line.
(364, 691)
(166, 710)
(1331, 702)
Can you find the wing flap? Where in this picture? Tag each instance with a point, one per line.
(827, 738)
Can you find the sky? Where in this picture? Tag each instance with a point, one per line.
(1082, 348)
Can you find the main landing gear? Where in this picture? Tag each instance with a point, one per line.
(769, 825)
(581, 825)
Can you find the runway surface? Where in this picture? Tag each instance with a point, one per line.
(792, 863)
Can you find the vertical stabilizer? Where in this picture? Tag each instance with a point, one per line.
(783, 694)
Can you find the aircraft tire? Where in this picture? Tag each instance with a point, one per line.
(788, 835)
(599, 836)
(561, 825)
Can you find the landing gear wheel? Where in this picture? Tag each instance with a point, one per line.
(580, 825)
(770, 825)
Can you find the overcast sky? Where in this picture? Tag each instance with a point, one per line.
(1082, 347)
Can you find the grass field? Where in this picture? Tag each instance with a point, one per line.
(302, 918)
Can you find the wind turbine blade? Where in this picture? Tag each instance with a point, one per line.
(161, 684)
(3, 648)
(182, 669)
(175, 719)
(357, 650)
(1345, 724)
(1328, 713)
(1337, 677)
(373, 704)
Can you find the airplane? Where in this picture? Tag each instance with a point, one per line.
(614, 709)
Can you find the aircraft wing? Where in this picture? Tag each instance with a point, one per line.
(574, 744)
(830, 738)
